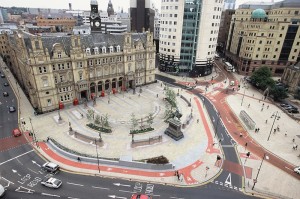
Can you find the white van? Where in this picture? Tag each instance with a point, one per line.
(2, 191)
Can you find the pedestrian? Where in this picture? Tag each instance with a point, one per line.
(293, 140)
(278, 128)
(263, 104)
(241, 135)
(266, 121)
(296, 147)
(197, 120)
(178, 176)
(79, 160)
(248, 105)
(262, 109)
(285, 134)
(274, 131)
(267, 106)
(257, 129)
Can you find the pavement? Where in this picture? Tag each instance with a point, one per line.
(192, 155)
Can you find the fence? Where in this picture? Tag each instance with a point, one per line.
(247, 120)
(149, 141)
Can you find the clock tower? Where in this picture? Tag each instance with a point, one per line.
(95, 17)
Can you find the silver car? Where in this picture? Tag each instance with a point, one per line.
(52, 182)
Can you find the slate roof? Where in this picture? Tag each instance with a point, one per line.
(87, 41)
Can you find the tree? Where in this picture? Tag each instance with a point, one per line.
(90, 114)
(171, 98)
(105, 122)
(150, 119)
(278, 93)
(98, 119)
(262, 78)
(168, 112)
(134, 121)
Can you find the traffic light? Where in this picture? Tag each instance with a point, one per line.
(248, 154)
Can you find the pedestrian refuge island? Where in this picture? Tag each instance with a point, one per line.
(247, 120)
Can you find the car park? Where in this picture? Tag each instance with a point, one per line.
(297, 170)
(6, 84)
(140, 196)
(51, 182)
(12, 109)
(51, 167)
(5, 94)
(16, 132)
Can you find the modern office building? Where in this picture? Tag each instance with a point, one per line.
(264, 34)
(142, 15)
(188, 35)
(56, 71)
(229, 5)
(63, 22)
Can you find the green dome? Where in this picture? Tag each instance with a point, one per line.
(259, 14)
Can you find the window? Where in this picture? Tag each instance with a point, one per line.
(45, 82)
(280, 35)
(42, 69)
(53, 67)
(295, 50)
(282, 27)
(80, 76)
(278, 42)
(79, 64)
(118, 48)
(175, 15)
(59, 55)
(260, 42)
(258, 49)
(49, 103)
(176, 7)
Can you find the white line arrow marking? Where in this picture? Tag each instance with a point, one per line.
(228, 180)
(15, 171)
(34, 162)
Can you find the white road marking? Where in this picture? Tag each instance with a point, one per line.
(32, 171)
(228, 180)
(19, 161)
(28, 190)
(126, 191)
(75, 184)
(8, 182)
(176, 198)
(123, 185)
(100, 187)
(113, 196)
(73, 198)
(15, 157)
(47, 194)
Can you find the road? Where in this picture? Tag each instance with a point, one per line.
(21, 173)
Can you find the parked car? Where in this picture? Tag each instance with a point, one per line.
(284, 104)
(51, 182)
(288, 107)
(5, 94)
(16, 132)
(3, 76)
(12, 109)
(297, 170)
(50, 166)
(6, 84)
(293, 110)
(2, 191)
(140, 196)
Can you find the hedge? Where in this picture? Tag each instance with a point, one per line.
(99, 128)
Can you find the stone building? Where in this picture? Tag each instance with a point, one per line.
(264, 34)
(291, 78)
(57, 71)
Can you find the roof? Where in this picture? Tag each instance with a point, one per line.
(87, 41)
(259, 14)
(287, 4)
(56, 15)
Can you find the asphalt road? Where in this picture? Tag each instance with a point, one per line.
(21, 173)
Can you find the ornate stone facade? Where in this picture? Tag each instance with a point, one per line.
(61, 70)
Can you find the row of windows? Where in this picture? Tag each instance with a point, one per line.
(65, 89)
(215, 24)
(67, 97)
(167, 50)
(168, 15)
(61, 66)
(169, 0)
(169, 7)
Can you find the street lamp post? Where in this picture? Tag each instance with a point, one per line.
(33, 134)
(97, 156)
(276, 115)
(255, 180)
(216, 127)
(243, 95)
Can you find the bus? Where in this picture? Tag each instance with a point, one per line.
(228, 66)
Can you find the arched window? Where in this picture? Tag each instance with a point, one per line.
(103, 49)
(118, 48)
(88, 51)
(111, 49)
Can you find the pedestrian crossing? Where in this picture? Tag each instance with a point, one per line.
(228, 186)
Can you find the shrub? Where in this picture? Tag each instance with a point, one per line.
(99, 128)
(141, 130)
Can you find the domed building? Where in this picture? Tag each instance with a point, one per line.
(264, 34)
(259, 14)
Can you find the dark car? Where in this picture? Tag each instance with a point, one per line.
(12, 109)
(2, 75)
(5, 94)
(284, 104)
(6, 84)
(293, 110)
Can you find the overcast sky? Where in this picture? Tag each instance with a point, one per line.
(80, 4)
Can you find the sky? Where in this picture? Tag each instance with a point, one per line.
(81, 4)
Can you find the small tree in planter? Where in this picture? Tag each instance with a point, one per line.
(134, 121)
(97, 120)
(90, 114)
(105, 122)
(150, 119)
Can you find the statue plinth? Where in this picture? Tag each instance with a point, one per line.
(174, 129)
